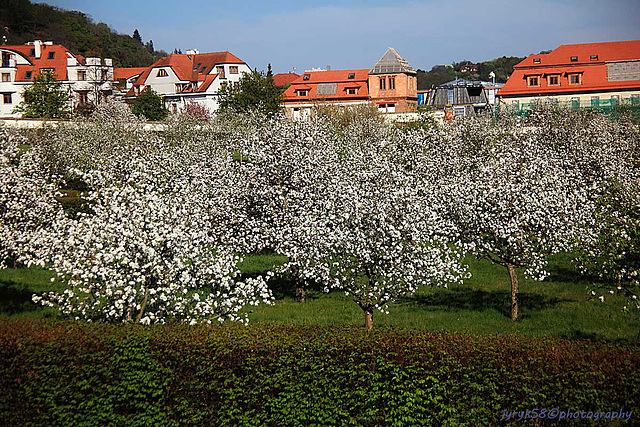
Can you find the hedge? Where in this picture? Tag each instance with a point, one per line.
(66, 373)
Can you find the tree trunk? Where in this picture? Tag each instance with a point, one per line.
(301, 292)
(514, 291)
(144, 305)
(368, 319)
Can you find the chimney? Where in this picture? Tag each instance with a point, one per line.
(38, 48)
(193, 52)
(328, 67)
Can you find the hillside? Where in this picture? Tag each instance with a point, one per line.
(22, 21)
(439, 74)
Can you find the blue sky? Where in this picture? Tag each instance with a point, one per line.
(306, 34)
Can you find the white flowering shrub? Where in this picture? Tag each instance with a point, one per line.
(148, 252)
(27, 201)
(346, 212)
(614, 255)
(521, 191)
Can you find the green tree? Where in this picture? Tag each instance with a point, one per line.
(136, 36)
(255, 91)
(149, 105)
(46, 98)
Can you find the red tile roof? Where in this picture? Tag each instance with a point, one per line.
(591, 63)
(283, 79)
(125, 73)
(184, 65)
(339, 77)
(58, 63)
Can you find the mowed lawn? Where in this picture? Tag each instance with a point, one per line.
(557, 307)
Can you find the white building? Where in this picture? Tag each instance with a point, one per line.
(194, 76)
(87, 80)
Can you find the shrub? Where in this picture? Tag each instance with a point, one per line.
(57, 373)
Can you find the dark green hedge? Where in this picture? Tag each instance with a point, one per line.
(61, 373)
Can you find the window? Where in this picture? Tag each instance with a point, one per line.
(553, 80)
(450, 94)
(594, 57)
(383, 83)
(392, 83)
(575, 79)
(28, 74)
(32, 52)
(536, 60)
(51, 55)
(104, 74)
(352, 91)
(82, 98)
(197, 65)
(574, 59)
(595, 101)
(303, 92)
(6, 77)
(6, 98)
(162, 73)
(233, 69)
(220, 70)
(533, 81)
(351, 76)
(615, 99)
(306, 77)
(204, 67)
(575, 102)
(635, 99)
(82, 75)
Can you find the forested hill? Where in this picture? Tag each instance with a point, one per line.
(439, 74)
(22, 21)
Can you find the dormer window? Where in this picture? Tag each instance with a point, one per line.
(352, 91)
(32, 52)
(533, 81)
(162, 73)
(306, 77)
(204, 67)
(574, 59)
(51, 55)
(28, 74)
(351, 76)
(594, 57)
(553, 80)
(197, 65)
(303, 92)
(536, 60)
(575, 79)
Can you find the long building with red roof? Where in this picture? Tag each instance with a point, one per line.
(391, 85)
(583, 75)
(191, 77)
(88, 80)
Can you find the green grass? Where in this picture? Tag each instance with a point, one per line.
(556, 307)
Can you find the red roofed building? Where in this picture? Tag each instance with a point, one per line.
(284, 79)
(88, 80)
(194, 76)
(582, 75)
(125, 77)
(391, 85)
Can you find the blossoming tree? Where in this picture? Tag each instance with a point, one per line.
(520, 192)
